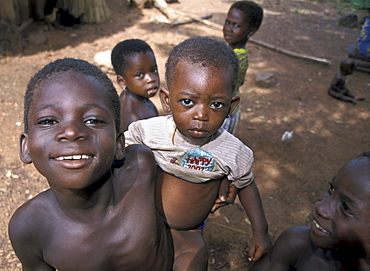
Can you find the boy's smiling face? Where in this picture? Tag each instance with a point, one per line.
(341, 219)
(141, 76)
(199, 98)
(72, 137)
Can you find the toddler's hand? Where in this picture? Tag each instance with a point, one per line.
(227, 194)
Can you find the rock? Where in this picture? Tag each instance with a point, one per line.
(349, 20)
(265, 79)
(287, 136)
(10, 39)
(37, 37)
(103, 61)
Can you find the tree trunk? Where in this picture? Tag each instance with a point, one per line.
(15, 11)
(7, 11)
(93, 11)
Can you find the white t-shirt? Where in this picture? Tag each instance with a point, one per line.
(223, 155)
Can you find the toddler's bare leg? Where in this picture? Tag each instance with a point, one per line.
(190, 250)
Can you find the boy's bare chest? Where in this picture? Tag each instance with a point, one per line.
(320, 263)
(119, 242)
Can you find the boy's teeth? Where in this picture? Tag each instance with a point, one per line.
(317, 225)
(73, 157)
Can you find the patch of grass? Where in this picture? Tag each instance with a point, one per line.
(357, 4)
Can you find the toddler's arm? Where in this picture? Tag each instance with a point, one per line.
(260, 243)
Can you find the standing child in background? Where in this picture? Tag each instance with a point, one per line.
(339, 235)
(338, 88)
(195, 153)
(134, 62)
(99, 213)
(243, 21)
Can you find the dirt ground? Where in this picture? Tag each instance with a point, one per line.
(290, 175)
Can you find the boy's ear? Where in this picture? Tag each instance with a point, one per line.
(120, 152)
(23, 152)
(234, 103)
(253, 31)
(121, 81)
(164, 96)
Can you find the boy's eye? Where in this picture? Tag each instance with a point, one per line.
(236, 25)
(217, 105)
(186, 102)
(227, 22)
(155, 70)
(331, 188)
(46, 122)
(139, 75)
(346, 209)
(94, 121)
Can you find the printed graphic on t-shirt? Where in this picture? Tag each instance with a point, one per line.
(198, 159)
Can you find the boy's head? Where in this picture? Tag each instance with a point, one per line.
(342, 218)
(347, 65)
(53, 69)
(71, 124)
(201, 74)
(134, 62)
(243, 20)
(202, 51)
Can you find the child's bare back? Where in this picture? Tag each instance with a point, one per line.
(134, 108)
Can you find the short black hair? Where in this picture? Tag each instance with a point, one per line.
(125, 49)
(347, 63)
(365, 154)
(70, 64)
(205, 51)
(252, 11)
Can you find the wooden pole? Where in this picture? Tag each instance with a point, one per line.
(261, 43)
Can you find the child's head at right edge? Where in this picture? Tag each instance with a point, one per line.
(243, 20)
(136, 68)
(341, 218)
(201, 74)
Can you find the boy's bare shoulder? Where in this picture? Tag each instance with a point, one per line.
(139, 154)
(138, 162)
(293, 242)
(31, 218)
(296, 237)
(287, 250)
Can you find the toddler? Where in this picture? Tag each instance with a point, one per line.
(194, 153)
